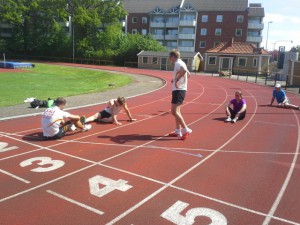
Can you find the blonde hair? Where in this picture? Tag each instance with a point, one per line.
(239, 93)
(175, 53)
(121, 100)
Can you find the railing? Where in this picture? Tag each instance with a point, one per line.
(260, 77)
(171, 36)
(187, 23)
(187, 36)
(155, 24)
(131, 64)
(254, 39)
(259, 26)
(172, 24)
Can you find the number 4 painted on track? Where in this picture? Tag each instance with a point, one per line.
(110, 185)
(173, 214)
(4, 148)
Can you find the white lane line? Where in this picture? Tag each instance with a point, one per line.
(14, 176)
(83, 106)
(76, 202)
(287, 179)
(279, 124)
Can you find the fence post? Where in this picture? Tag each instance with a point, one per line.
(266, 78)
(286, 82)
(275, 80)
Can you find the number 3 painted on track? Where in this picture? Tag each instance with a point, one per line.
(55, 164)
(173, 214)
(4, 148)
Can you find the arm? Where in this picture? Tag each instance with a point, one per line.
(272, 100)
(126, 109)
(243, 109)
(111, 105)
(227, 110)
(180, 74)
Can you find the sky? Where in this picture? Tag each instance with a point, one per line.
(285, 15)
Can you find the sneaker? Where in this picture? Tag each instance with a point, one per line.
(228, 119)
(173, 134)
(234, 120)
(72, 128)
(186, 134)
(82, 120)
(86, 127)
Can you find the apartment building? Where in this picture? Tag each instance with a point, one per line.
(195, 25)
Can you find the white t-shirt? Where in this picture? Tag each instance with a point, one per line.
(51, 120)
(114, 109)
(182, 83)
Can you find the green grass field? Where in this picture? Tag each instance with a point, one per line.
(51, 81)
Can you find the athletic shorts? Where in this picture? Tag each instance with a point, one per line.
(62, 131)
(104, 114)
(178, 96)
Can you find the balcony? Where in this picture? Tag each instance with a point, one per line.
(254, 39)
(186, 49)
(155, 24)
(187, 36)
(169, 24)
(188, 23)
(170, 48)
(158, 36)
(258, 26)
(171, 37)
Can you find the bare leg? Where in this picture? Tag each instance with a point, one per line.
(178, 117)
(92, 118)
(288, 105)
(77, 123)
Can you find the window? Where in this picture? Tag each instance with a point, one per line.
(219, 19)
(203, 31)
(158, 32)
(255, 62)
(218, 32)
(172, 44)
(145, 60)
(144, 31)
(134, 19)
(154, 60)
(204, 18)
(187, 30)
(134, 31)
(144, 20)
(172, 31)
(240, 19)
(216, 43)
(186, 44)
(238, 32)
(242, 62)
(202, 44)
(212, 60)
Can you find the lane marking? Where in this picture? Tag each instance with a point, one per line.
(287, 179)
(271, 123)
(14, 176)
(75, 202)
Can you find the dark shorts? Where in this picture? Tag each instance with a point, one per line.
(233, 114)
(178, 97)
(104, 114)
(62, 131)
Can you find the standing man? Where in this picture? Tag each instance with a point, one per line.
(281, 98)
(53, 121)
(179, 88)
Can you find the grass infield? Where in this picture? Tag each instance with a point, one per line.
(52, 81)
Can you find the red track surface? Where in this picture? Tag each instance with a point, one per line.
(244, 173)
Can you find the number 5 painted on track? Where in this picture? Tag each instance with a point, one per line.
(173, 214)
(55, 164)
(110, 185)
(4, 148)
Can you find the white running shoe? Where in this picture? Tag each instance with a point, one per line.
(234, 120)
(72, 128)
(228, 119)
(186, 133)
(86, 127)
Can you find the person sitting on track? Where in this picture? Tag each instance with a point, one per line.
(239, 108)
(53, 124)
(110, 113)
(281, 98)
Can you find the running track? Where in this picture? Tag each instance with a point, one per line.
(239, 174)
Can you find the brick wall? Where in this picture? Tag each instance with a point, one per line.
(138, 25)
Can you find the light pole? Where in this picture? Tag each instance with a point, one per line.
(268, 34)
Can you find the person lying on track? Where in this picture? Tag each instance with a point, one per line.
(239, 108)
(53, 121)
(281, 98)
(110, 113)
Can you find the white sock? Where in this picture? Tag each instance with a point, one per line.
(177, 131)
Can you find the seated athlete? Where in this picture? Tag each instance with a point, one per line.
(239, 108)
(53, 121)
(110, 113)
(281, 98)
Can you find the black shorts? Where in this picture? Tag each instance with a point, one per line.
(233, 114)
(62, 131)
(104, 114)
(178, 96)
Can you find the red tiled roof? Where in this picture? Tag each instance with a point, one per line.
(237, 48)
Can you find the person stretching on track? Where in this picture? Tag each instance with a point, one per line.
(110, 113)
(281, 98)
(239, 108)
(53, 124)
(179, 88)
